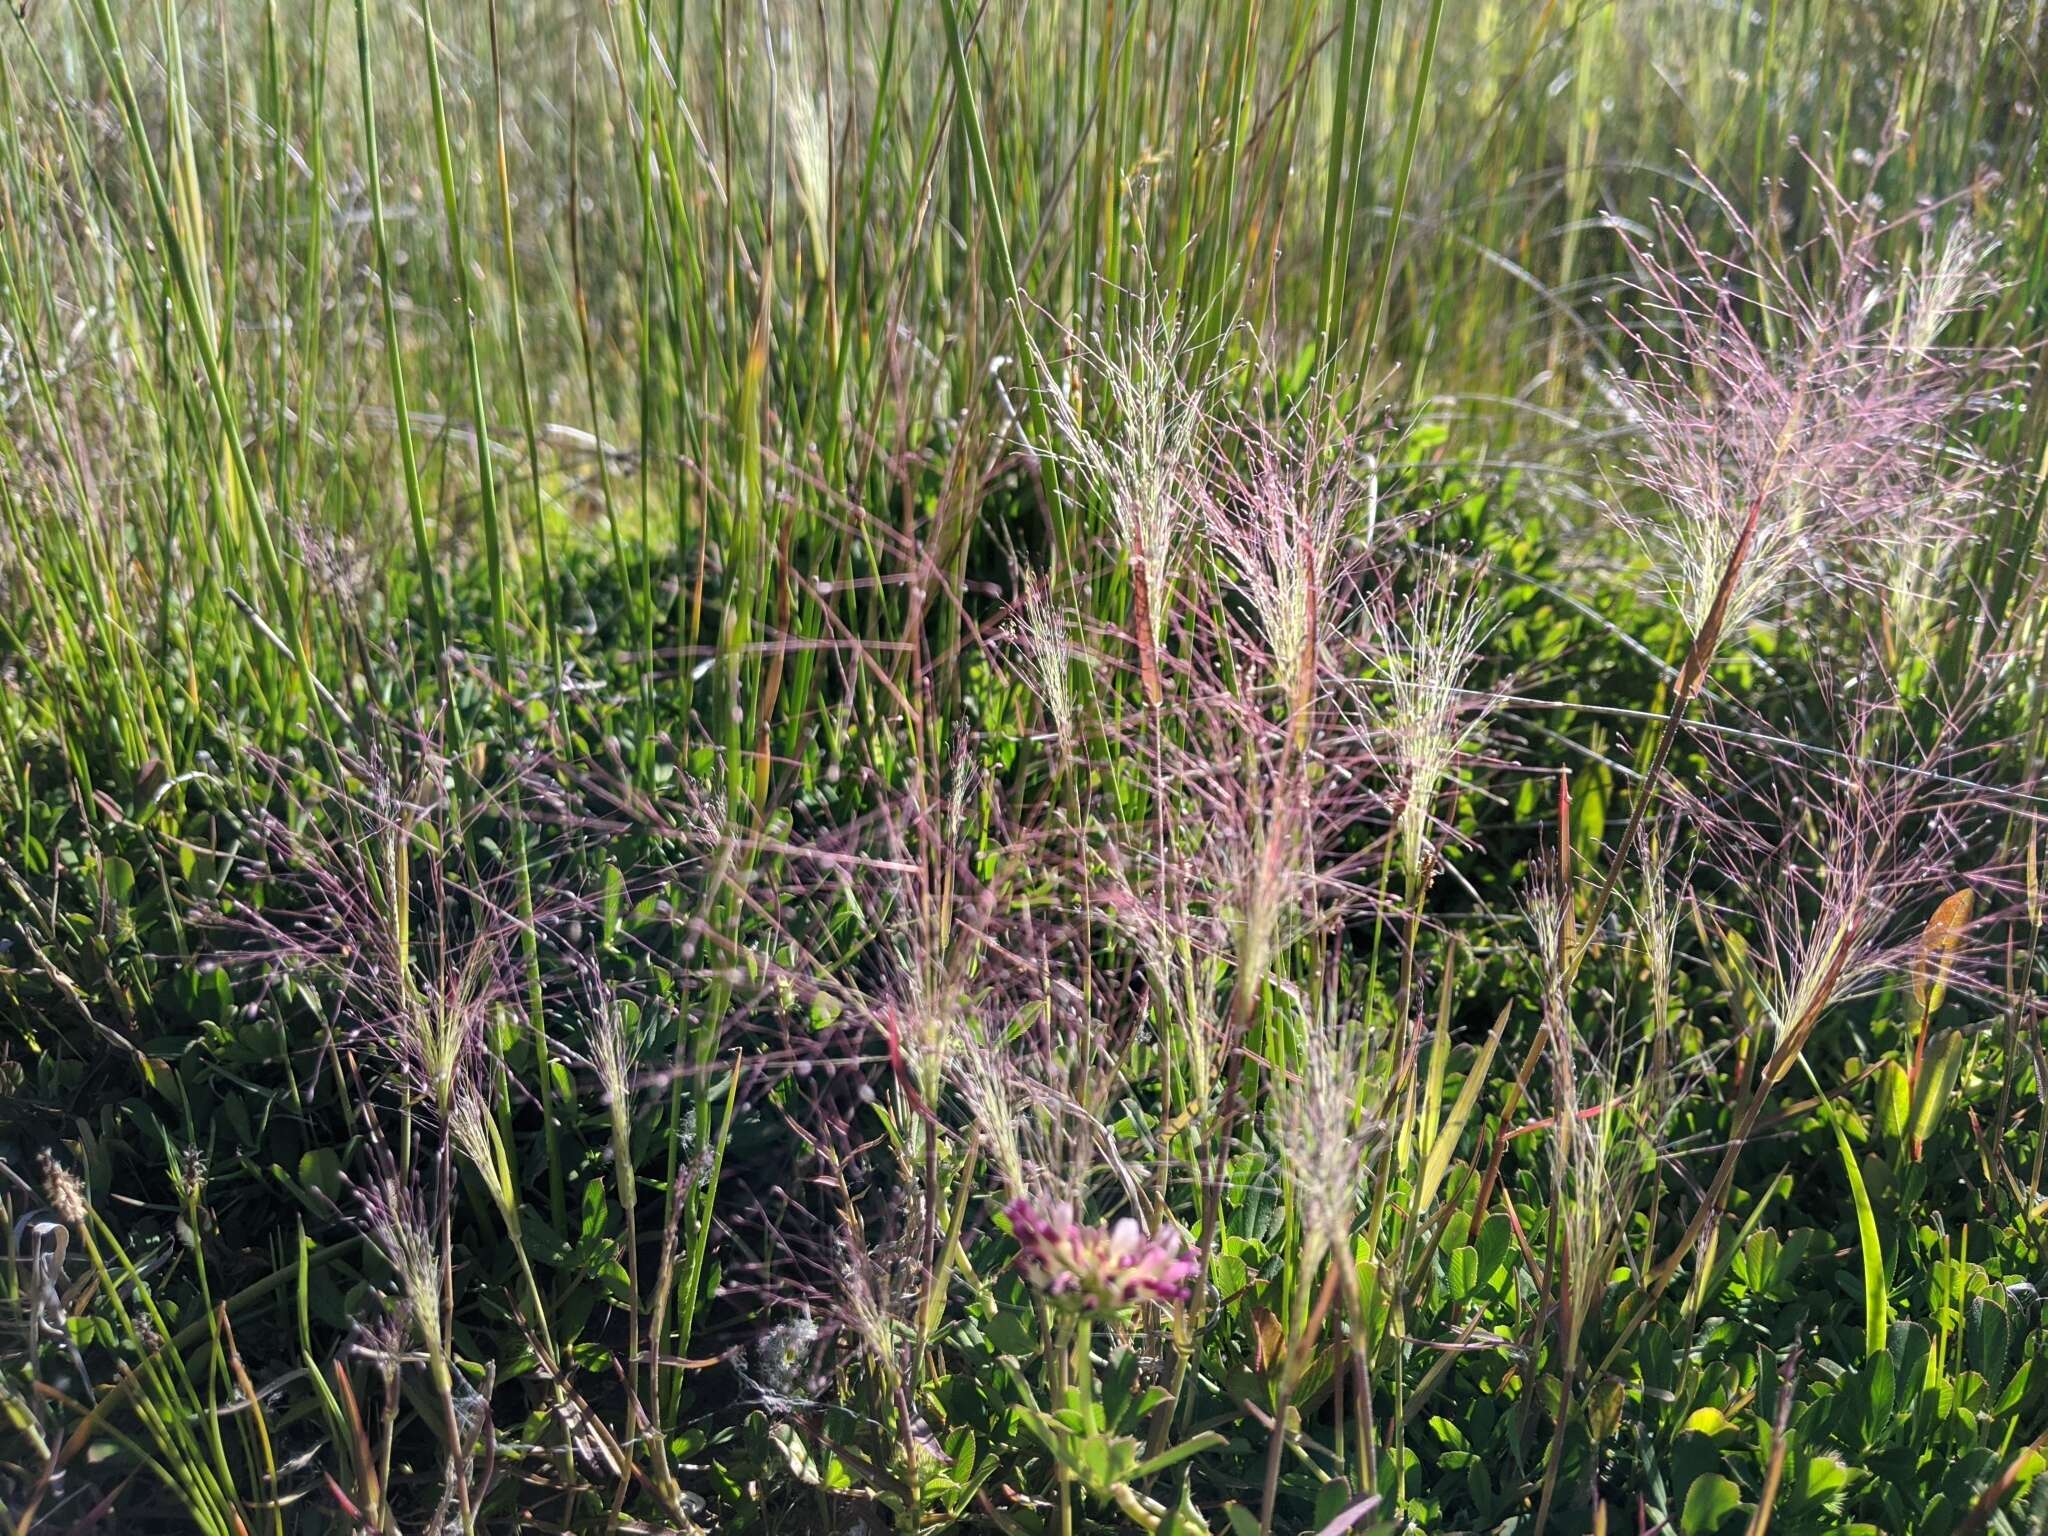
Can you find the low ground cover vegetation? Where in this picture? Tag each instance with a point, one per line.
(1022, 768)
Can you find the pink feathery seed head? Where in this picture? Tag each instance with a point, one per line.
(368, 904)
(1863, 851)
(1281, 513)
(1327, 1124)
(1816, 406)
(1099, 1269)
(1131, 425)
(1256, 843)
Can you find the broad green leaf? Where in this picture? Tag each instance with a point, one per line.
(1708, 1421)
(320, 1169)
(1463, 1276)
(1988, 1334)
(1495, 1234)
(1880, 1391)
(1710, 1500)
(118, 878)
(1818, 1480)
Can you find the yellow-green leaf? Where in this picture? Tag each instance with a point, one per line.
(1938, 1073)
(1437, 1161)
(1894, 1100)
(1711, 1499)
(1876, 1298)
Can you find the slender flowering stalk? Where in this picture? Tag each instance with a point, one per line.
(408, 1237)
(1325, 1134)
(1950, 282)
(614, 1049)
(810, 162)
(404, 1234)
(1657, 910)
(1859, 851)
(1023, 1122)
(1176, 950)
(470, 1128)
(1855, 858)
(1789, 441)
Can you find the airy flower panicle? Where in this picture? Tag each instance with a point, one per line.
(404, 1232)
(1324, 1134)
(1859, 852)
(1138, 455)
(1791, 431)
(1043, 634)
(1280, 522)
(471, 1129)
(615, 1036)
(1425, 658)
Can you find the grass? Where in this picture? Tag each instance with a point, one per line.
(1030, 768)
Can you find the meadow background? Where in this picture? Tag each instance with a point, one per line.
(894, 765)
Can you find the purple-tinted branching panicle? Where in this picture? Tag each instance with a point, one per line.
(1921, 567)
(1255, 851)
(1948, 282)
(1280, 520)
(475, 1136)
(1031, 1131)
(1099, 1269)
(924, 1015)
(439, 1031)
(874, 1301)
(1787, 431)
(927, 924)
(808, 131)
(1546, 907)
(418, 989)
(988, 1083)
(614, 1046)
(1243, 847)
(1593, 1177)
(1183, 958)
(1657, 908)
(1858, 855)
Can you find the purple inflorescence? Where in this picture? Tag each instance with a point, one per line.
(1099, 1269)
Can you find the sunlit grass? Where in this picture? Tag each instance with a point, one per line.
(1031, 768)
